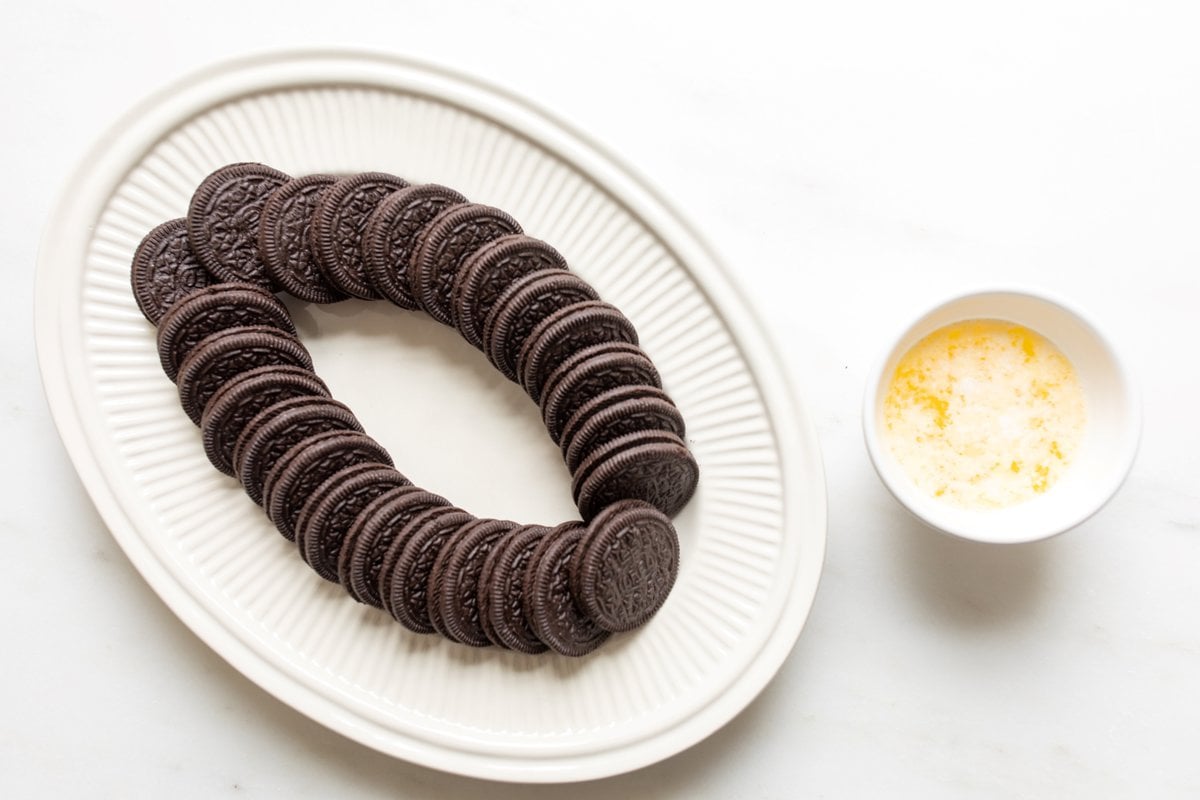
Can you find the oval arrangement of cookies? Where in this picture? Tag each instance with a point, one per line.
(208, 283)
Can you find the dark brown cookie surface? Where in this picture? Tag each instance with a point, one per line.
(324, 489)
(214, 309)
(418, 546)
(322, 537)
(483, 595)
(307, 465)
(654, 466)
(223, 221)
(274, 431)
(165, 270)
(454, 591)
(522, 307)
(223, 356)
(565, 332)
(575, 359)
(392, 235)
(590, 373)
(625, 566)
(553, 614)
(369, 539)
(445, 244)
(600, 454)
(489, 271)
(593, 406)
(238, 401)
(432, 608)
(338, 226)
(615, 413)
(284, 239)
(502, 589)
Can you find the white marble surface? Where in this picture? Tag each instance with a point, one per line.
(855, 162)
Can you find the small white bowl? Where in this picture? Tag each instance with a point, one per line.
(1105, 456)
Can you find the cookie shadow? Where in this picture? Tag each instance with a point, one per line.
(972, 584)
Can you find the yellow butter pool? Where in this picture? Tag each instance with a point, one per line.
(984, 414)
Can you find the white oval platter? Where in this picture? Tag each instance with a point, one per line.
(752, 539)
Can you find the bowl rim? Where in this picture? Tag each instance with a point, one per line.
(955, 521)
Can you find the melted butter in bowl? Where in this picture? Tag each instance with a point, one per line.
(984, 414)
(1001, 416)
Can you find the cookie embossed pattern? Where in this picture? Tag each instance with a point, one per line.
(751, 539)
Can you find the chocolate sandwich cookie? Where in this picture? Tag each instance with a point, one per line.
(445, 243)
(590, 373)
(489, 271)
(654, 466)
(300, 470)
(438, 569)
(625, 565)
(482, 593)
(322, 537)
(565, 332)
(575, 359)
(223, 221)
(396, 527)
(284, 241)
(392, 234)
(238, 401)
(276, 429)
(418, 545)
(502, 589)
(522, 306)
(338, 226)
(314, 498)
(597, 456)
(221, 357)
(454, 585)
(165, 270)
(615, 413)
(370, 535)
(553, 614)
(214, 309)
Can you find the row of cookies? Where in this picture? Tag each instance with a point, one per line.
(265, 417)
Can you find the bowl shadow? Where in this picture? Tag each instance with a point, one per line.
(972, 584)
